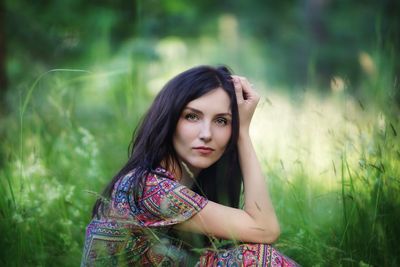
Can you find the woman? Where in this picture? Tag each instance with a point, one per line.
(188, 154)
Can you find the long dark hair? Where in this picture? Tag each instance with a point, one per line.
(152, 140)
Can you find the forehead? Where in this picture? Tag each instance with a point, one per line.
(215, 101)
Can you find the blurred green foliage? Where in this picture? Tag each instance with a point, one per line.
(306, 42)
(80, 74)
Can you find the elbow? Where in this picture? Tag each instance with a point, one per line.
(272, 235)
(275, 234)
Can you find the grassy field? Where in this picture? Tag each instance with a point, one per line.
(332, 162)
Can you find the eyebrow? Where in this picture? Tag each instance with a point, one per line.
(219, 114)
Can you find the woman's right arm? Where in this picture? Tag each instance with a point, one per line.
(257, 222)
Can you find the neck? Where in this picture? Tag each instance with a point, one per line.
(188, 174)
(185, 174)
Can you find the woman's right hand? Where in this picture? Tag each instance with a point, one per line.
(247, 100)
(257, 221)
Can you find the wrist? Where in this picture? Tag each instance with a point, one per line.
(244, 134)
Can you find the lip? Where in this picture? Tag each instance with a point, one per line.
(204, 150)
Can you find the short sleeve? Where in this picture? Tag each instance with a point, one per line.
(165, 202)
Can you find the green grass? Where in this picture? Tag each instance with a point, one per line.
(352, 222)
(335, 192)
(58, 152)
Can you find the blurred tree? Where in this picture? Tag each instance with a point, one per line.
(3, 77)
(309, 41)
(390, 40)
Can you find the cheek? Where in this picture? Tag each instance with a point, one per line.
(223, 135)
(184, 133)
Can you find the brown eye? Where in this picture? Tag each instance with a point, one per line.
(221, 121)
(191, 117)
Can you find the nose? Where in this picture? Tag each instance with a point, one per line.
(205, 132)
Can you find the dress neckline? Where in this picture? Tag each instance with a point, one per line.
(164, 172)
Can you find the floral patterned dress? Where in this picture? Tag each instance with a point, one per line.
(136, 233)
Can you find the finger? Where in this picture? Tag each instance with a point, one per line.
(245, 84)
(248, 91)
(238, 89)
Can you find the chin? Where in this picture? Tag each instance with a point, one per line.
(200, 165)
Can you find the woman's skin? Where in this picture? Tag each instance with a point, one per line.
(203, 132)
(206, 127)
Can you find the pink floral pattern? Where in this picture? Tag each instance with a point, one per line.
(135, 233)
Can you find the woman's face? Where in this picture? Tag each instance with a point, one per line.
(203, 130)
